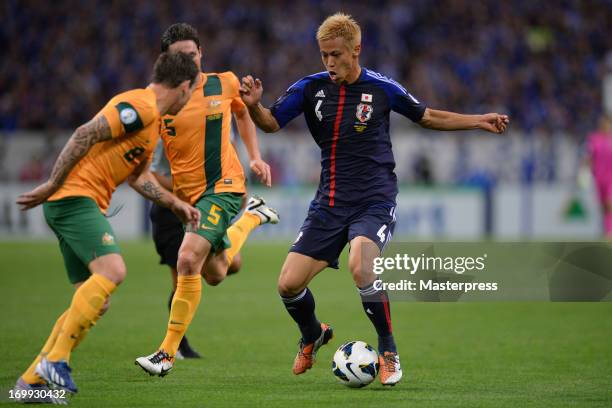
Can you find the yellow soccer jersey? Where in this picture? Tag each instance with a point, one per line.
(135, 124)
(197, 140)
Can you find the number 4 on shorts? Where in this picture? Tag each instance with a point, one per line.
(381, 233)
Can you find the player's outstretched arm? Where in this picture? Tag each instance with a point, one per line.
(246, 129)
(94, 131)
(250, 92)
(145, 183)
(442, 120)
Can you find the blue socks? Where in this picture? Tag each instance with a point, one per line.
(376, 306)
(302, 309)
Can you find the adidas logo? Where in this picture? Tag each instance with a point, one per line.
(320, 94)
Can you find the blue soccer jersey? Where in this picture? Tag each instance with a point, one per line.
(350, 123)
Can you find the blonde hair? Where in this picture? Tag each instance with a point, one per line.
(340, 25)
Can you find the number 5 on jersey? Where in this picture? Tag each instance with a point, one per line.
(214, 214)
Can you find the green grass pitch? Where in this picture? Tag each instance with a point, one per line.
(454, 354)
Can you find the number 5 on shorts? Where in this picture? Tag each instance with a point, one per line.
(214, 214)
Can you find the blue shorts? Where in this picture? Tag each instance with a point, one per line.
(327, 230)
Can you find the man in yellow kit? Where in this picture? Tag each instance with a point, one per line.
(206, 172)
(114, 146)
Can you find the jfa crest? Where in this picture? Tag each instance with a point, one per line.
(364, 112)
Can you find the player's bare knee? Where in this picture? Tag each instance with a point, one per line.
(361, 276)
(355, 266)
(188, 263)
(111, 266)
(119, 273)
(286, 291)
(297, 272)
(213, 280)
(215, 269)
(235, 266)
(287, 287)
(116, 271)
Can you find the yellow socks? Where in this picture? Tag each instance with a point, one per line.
(84, 311)
(84, 332)
(30, 375)
(239, 232)
(189, 288)
(184, 305)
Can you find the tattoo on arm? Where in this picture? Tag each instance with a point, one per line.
(145, 183)
(94, 131)
(152, 191)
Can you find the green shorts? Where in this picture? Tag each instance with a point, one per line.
(83, 232)
(218, 211)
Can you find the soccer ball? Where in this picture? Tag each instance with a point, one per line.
(355, 364)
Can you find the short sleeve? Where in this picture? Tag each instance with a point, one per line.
(129, 112)
(405, 104)
(400, 100)
(290, 105)
(237, 103)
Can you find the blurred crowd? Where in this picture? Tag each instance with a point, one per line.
(541, 62)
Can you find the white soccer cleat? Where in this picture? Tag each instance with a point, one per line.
(258, 207)
(390, 369)
(158, 363)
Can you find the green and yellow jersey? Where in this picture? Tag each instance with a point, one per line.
(197, 140)
(135, 125)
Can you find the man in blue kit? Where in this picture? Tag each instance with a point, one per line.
(347, 111)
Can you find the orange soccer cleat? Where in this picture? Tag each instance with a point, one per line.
(390, 369)
(305, 358)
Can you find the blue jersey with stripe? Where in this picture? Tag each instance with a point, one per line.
(350, 123)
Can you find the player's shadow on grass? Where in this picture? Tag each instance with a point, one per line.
(397, 388)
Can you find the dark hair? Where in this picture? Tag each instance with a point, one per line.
(179, 32)
(173, 69)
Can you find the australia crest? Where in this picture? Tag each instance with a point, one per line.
(364, 112)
